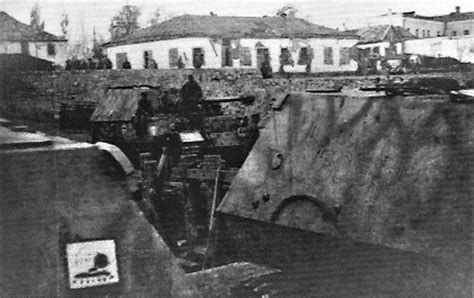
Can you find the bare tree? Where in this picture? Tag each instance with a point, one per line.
(156, 18)
(125, 22)
(64, 23)
(80, 48)
(35, 18)
(97, 48)
(168, 16)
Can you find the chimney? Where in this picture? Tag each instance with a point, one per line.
(458, 9)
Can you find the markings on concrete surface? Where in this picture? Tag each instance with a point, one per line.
(91, 263)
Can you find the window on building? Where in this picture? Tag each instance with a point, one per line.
(344, 56)
(226, 53)
(376, 50)
(173, 57)
(428, 33)
(51, 49)
(245, 56)
(453, 33)
(198, 57)
(328, 59)
(417, 33)
(304, 57)
(466, 32)
(226, 56)
(285, 57)
(438, 33)
(148, 61)
(121, 60)
(24, 48)
(423, 33)
(264, 60)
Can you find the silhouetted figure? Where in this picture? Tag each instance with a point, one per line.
(152, 64)
(144, 105)
(165, 103)
(107, 63)
(100, 64)
(265, 67)
(91, 63)
(144, 112)
(180, 63)
(249, 132)
(253, 132)
(191, 95)
(126, 65)
(83, 64)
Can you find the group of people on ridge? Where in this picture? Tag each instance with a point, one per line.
(190, 97)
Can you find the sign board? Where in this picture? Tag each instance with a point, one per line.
(91, 263)
(191, 137)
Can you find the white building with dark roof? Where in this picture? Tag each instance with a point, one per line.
(455, 24)
(382, 40)
(454, 35)
(449, 35)
(17, 38)
(191, 41)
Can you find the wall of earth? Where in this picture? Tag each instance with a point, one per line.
(35, 97)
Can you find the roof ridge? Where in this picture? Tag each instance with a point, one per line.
(189, 25)
(386, 32)
(444, 17)
(13, 29)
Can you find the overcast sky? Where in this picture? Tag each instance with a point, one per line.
(84, 15)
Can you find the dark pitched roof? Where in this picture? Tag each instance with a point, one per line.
(231, 27)
(452, 17)
(14, 30)
(382, 33)
(413, 15)
(120, 103)
(22, 62)
(117, 105)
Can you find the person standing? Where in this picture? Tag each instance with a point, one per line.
(249, 132)
(143, 113)
(126, 65)
(191, 95)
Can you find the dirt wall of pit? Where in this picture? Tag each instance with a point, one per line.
(37, 96)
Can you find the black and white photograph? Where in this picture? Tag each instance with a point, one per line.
(157, 148)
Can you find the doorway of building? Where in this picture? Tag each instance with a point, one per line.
(263, 62)
(263, 54)
(198, 57)
(148, 59)
(120, 59)
(24, 48)
(226, 53)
